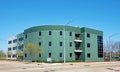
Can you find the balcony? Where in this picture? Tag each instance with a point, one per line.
(77, 50)
(77, 43)
(78, 40)
(77, 37)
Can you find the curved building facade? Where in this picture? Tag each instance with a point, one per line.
(56, 41)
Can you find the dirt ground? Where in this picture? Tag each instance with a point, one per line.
(13, 66)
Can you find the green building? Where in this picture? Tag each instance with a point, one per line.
(84, 44)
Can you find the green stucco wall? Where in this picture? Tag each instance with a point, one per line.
(55, 39)
(93, 50)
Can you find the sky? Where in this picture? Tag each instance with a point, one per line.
(18, 15)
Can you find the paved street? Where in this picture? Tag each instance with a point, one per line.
(12, 66)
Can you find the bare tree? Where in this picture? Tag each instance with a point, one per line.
(108, 50)
(2, 55)
(116, 49)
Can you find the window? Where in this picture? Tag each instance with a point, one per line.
(70, 44)
(49, 55)
(50, 33)
(14, 48)
(39, 54)
(60, 32)
(100, 46)
(88, 45)
(9, 49)
(39, 43)
(26, 36)
(25, 55)
(70, 54)
(60, 54)
(14, 55)
(50, 43)
(9, 42)
(9, 56)
(20, 39)
(70, 34)
(60, 43)
(15, 40)
(21, 47)
(88, 35)
(39, 33)
(88, 55)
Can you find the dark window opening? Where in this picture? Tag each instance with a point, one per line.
(14, 48)
(70, 54)
(88, 45)
(39, 54)
(88, 55)
(25, 55)
(100, 46)
(50, 44)
(70, 44)
(9, 56)
(26, 36)
(70, 33)
(88, 35)
(14, 55)
(49, 55)
(9, 49)
(20, 39)
(21, 47)
(39, 43)
(39, 33)
(60, 54)
(60, 32)
(9, 42)
(60, 43)
(100, 55)
(77, 36)
(15, 40)
(50, 33)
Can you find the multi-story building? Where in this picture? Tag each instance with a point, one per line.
(15, 43)
(84, 44)
(12, 43)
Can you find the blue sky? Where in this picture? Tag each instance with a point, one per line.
(17, 15)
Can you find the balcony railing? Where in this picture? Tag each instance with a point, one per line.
(77, 50)
(78, 40)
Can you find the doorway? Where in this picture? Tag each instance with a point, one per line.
(77, 55)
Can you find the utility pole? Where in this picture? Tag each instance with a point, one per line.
(64, 47)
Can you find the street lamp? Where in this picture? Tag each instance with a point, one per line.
(64, 39)
(64, 47)
(110, 55)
